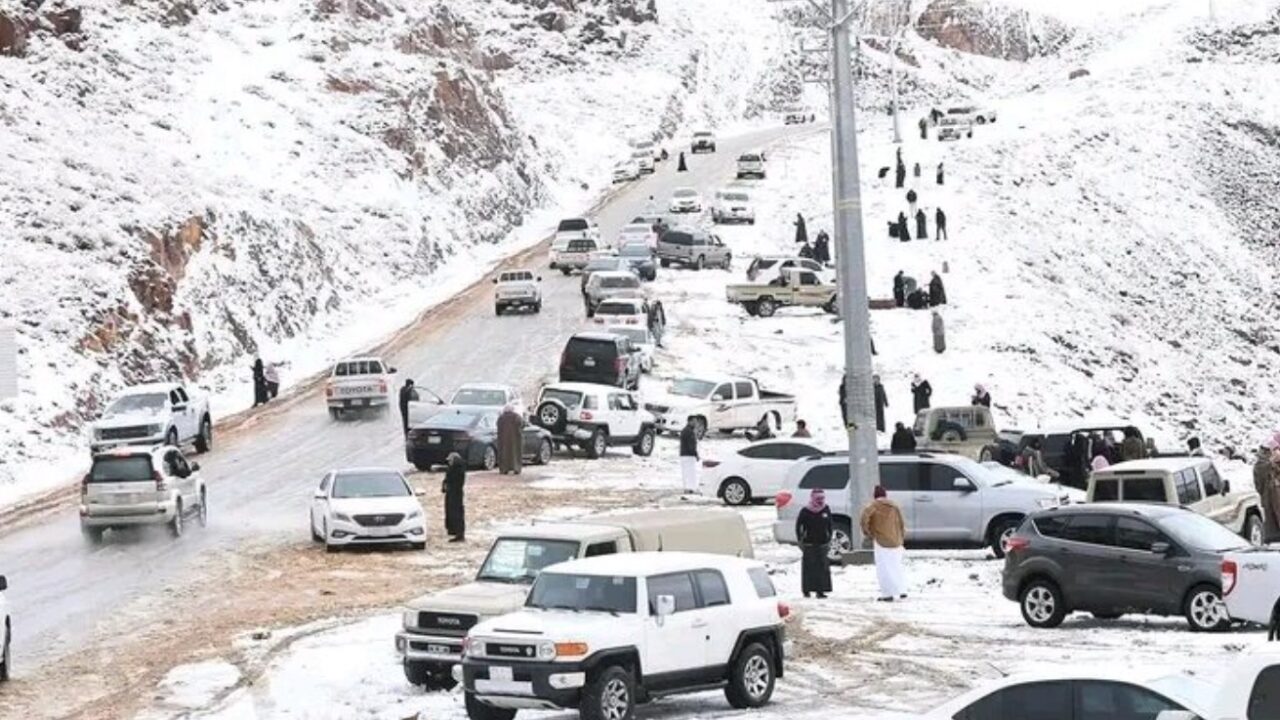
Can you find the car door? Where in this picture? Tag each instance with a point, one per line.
(1050, 700)
(185, 477)
(722, 413)
(943, 512)
(1087, 554)
(717, 608)
(746, 406)
(187, 421)
(1215, 504)
(1139, 578)
(624, 422)
(901, 480)
(531, 436)
(667, 643)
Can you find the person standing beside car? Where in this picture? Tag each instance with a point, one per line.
(882, 522)
(510, 431)
(689, 456)
(903, 440)
(455, 510)
(921, 391)
(813, 532)
(408, 394)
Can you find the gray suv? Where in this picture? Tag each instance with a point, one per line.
(1115, 558)
(693, 248)
(946, 500)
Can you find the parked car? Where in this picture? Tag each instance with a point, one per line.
(603, 358)
(626, 171)
(366, 506)
(733, 206)
(1251, 585)
(752, 473)
(946, 500)
(640, 259)
(973, 114)
(576, 255)
(1092, 693)
(517, 289)
(649, 148)
(794, 287)
(685, 200)
(435, 625)
(643, 160)
(359, 383)
(723, 403)
(962, 429)
(473, 434)
(703, 141)
(154, 414)
(1066, 448)
(1192, 482)
(796, 117)
(637, 232)
(953, 127)
(643, 340)
(1247, 689)
(469, 396)
(606, 634)
(6, 627)
(1110, 559)
(594, 418)
(750, 165)
(599, 262)
(610, 285)
(774, 265)
(133, 486)
(693, 248)
(571, 229)
(622, 311)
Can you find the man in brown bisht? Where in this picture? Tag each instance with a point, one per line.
(882, 522)
(510, 431)
(1266, 480)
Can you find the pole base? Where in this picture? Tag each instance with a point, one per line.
(859, 557)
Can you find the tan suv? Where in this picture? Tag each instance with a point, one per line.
(962, 430)
(141, 486)
(693, 248)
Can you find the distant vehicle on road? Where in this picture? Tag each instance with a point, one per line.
(750, 165)
(599, 262)
(1110, 559)
(571, 229)
(973, 114)
(133, 486)
(575, 256)
(366, 506)
(154, 414)
(1191, 482)
(796, 117)
(597, 357)
(594, 418)
(640, 258)
(637, 232)
(733, 206)
(611, 285)
(753, 473)
(643, 162)
(693, 249)
(468, 396)
(962, 429)
(473, 434)
(723, 403)
(793, 287)
(703, 141)
(517, 289)
(952, 127)
(6, 627)
(359, 383)
(622, 311)
(626, 172)
(685, 200)
(1067, 448)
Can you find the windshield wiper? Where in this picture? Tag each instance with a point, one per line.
(561, 607)
(596, 608)
(503, 579)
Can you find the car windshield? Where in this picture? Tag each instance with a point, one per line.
(637, 335)
(454, 420)
(602, 264)
(1200, 533)
(519, 560)
(516, 277)
(477, 396)
(573, 224)
(568, 398)
(685, 193)
(619, 282)
(687, 387)
(148, 403)
(369, 485)
(736, 197)
(598, 593)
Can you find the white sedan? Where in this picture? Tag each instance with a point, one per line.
(625, 172)
(754, 472)
(685, 200)
(637, 233)
(367, 506)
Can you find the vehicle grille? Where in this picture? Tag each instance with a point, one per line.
(379, 520)
(125, 433)
(510, 650)
(657, 409)
(448, 623)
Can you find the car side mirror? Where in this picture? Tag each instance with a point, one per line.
(195, 467)
(666, 605)
(391, 371)
(717, 398)
(419, 492)
(1160, 548)
(4, 583)
(318, 495)
(495, 281)
(964, 485)
(539, 278)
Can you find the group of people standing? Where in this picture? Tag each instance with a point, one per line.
(900, 227)
(907, 292)
(820, 250)
(266, 382)
(881, 521)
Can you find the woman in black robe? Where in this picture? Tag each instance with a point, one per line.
(681, 167)
(455, 514)
(813, 532)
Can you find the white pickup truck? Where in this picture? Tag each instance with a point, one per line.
(1251, 585)
(571, 229)
(1245, 689)
(517, 289)
(154, 414)
(436, 624)
(722, 403)
(356, 384)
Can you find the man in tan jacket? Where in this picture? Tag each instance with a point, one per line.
(882, 522)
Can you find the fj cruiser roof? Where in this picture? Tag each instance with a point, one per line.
(649, 563)
(578, 387)
(1165, 464)
(559, 531)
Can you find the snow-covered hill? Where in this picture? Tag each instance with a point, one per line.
(185, 185)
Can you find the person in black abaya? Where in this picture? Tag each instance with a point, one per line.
(904, 232)
(802, 232)
(813, 532)
(455, 513)
(681, 167)
(259, 383)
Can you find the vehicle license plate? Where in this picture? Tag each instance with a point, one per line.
(589, 362)
(433, 440)
(500, 674)
(438, 649)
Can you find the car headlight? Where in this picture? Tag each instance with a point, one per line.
(342, 517)
(1046, 503)
(409, 619)
(546, 650)
(472, 646)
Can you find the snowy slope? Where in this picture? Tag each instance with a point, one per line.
(200, 184)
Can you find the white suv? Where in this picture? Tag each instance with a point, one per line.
(731, 206)
(6, 627)
(517, 289)
(141, 486)
(605, 634)
(595, 417)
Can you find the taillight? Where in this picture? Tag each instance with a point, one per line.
(564, 359)
(1016, 543)
(585, 415)
(161, 485)
(710, 463)
(382, 387)
(782, 500)
(784, 610)
(328, 391)
(1230, 573)
(619, 364)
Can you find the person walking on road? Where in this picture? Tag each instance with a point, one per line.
(802, 430)
(915, 170)
(900, 289)
(271, 375)
(912, 197)
(900, 175)
(937, 292)
(689, 456)
(939, 333)
(680, 166)
(510, 441)
(940, 173)
(882, 522)
(408, 394)
(882, 402)
(844, 400)
(921, 391)
(813, 533)
(980, 396)
(903, 440)
(922, 231)
(940, 225)
(455, 510)
(259, 383)
(822, 248)
(904, 232)
(802, 233)
(924, 133)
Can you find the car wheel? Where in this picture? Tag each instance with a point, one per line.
(752, 308)
(833, 306)
(598, 444)
(335, 414)
(664, 263)
(999, 535)
(1204, 609)
(728, 262)
(544, 452)
(204, 508)
(1042, 604)
(489, 460)
(699, 427)
(171, 438)
(644, 443)
(981, 120)
(477, 710)
(204, 441)
(315, 536)
(551, 415)
(422, 466)
(566, 270)
(610, 695)
(497, 310)
(766, 307)
(735, 491)
(841, 540)
(175, 525)
(752, 678)
(987, 455)
(699, 263)
(328, 546)
(1254, 531)
(537, 307)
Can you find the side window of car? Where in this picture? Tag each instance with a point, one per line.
(828, 477)
(182, 395)
(174, 398)
(678, 585)
(1212, 481)
(939, 478)
(795, 451)
(1264, 700)
(324, 483)
(340, 370)
(763, 584)
(1188, 487)
(1033, 701)
(898, 477)
(1053, 526)
(1136, 535)
(1105, 489)
(1091, 529)
(712, 588)
(759, 452)
(615, 401)
(603, 548)
(744, 390)
(1100, 700)
(590, 402)
(1149, 489)
(724, 392)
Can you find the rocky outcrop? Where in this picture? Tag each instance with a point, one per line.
(990, 30)
(13, 34)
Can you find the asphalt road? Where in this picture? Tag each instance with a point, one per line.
(260, 474)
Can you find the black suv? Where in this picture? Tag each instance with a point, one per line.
(602, 358)
(1115, 558)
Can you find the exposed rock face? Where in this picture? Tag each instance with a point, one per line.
(990, 30)
(13, 34)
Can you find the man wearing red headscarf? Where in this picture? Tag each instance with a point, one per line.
(813, 531)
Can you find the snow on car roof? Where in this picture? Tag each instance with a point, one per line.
(684, 192)
(714, 378)
(365, 470)
(602, 336)
(581, 387)
(649, 563)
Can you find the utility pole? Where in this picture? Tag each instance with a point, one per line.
(893, 81)
(864, 470)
